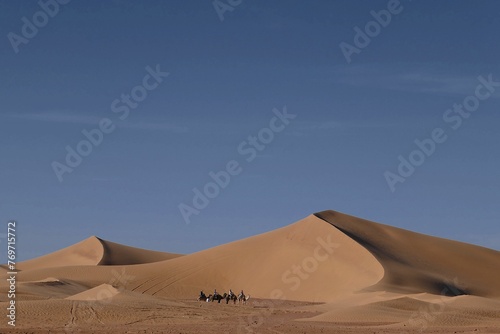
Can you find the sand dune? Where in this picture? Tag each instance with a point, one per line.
(107, 293)
(101, 292)
(413, 312)
(363, 272)
(86, 252)
(117, 254)
(95, 251)
(312, 260)
(48, 288)
(293, 262)
(415, 262)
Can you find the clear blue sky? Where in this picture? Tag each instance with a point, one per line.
(225, 77)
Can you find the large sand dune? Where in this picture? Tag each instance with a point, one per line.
(362, 272)
(415, 262)
(95, 251)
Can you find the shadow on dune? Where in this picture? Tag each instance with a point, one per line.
(415, 262)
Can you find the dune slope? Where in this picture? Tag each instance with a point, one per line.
(86, 252)
(118, 254)
(308, 260)
(415, 262)
(95, 251)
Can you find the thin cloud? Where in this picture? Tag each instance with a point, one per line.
(342, 127)
(71, 118)
(350, 125)
(154, 126)
(57, 117)
(408, 79)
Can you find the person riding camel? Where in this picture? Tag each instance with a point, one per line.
(230, 293)
(215, 293)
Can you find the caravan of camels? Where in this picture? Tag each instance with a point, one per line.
(230, 296)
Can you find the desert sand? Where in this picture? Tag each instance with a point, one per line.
(327, 273)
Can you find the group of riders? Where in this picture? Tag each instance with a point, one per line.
(230, 296)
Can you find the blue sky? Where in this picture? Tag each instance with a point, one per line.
(225, 78)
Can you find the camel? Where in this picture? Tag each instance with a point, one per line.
(202, 297)
(242, 298)
(228, 298)
(217, 297)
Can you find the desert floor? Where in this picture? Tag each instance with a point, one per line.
(258, 316)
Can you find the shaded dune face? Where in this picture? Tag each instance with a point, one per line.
(117, 254)
(415, 262)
